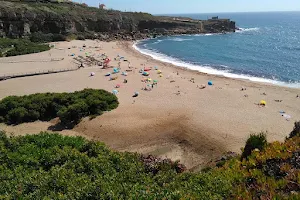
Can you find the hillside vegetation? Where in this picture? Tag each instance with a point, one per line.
(51, 166)
(69, 107)
(14, 47)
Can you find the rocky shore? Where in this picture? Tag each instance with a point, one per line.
(22, 19)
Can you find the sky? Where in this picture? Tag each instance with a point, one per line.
(197, 6)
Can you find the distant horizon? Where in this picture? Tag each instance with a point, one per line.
(158, 7)
(225, 12)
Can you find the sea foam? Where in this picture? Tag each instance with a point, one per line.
(207, 69)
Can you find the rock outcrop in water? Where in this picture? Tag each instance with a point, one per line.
(22, 18)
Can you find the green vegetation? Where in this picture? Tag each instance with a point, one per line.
(51, 166)
(14, 47)
(69, 107)
(254, 142)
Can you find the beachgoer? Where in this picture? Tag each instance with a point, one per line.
(125, 81)
(297, 96)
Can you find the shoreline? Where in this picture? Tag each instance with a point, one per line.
(176, 119)
(129, 45)
(207, 70)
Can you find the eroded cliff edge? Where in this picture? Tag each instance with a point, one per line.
(22, 18)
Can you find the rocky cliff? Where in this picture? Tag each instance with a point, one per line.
(22, 18)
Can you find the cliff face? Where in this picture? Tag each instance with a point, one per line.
(18, 19)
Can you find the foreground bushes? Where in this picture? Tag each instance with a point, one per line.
(14, 47)
(69, 107)
(50, 166)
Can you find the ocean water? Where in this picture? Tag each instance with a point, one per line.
(266, 49)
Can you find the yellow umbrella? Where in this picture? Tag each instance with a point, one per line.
(263, 102)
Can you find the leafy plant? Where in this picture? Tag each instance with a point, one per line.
(296, 130)
(254, 142)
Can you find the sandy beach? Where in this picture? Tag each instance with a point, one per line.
(175, 119)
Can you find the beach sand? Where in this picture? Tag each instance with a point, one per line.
(175, 120)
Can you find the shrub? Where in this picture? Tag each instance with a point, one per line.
(51, 166)
(254, 142)
(73, 113)
(69, 107)
(46, 37)
(296, 130)
(16, 47)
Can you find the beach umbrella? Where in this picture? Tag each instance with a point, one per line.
(156, 68)
(154, 81)
(116, 70)
(145, 73)
(124, 73)
(92, 73)
(135, 94)
(159, 71)
(263, 102)
(115, 92)
(118, 85)
(210, 83)
(160, 75)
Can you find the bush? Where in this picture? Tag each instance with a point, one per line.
(69, 107)
(254, 142)
(73, 113)
(51, 166)
(46, 37)
(14, 47)
(296, 130)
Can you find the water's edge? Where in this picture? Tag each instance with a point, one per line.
(206, 69)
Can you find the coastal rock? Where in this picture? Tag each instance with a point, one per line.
(22, 18)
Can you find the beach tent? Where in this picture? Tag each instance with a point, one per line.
(116, 70)
(263, 102)
(115, 92)
(210, 83)
(135, 94)
(106, 60)
(145, 73)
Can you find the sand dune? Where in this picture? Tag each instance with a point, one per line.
(176, 119)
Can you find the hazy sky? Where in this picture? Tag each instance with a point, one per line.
(197, 6)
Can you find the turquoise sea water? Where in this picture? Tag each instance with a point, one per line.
(266, 49)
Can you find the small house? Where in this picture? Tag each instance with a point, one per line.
(102, 6)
